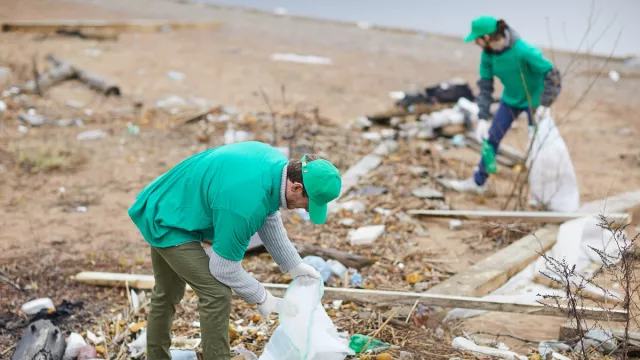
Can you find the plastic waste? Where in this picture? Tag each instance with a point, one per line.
(461, 343)
(75, 342)
(552, 179)
(139, 345)
(337, 267)
(183, 355)
(87, 353)
(319, 264)
(34, 306)
(357, 342)
(310, 333)
(91, 135)
(489, 157)
(355, 280)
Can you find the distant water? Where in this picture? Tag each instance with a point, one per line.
(561, 24)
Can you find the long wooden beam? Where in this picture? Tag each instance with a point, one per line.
(375, 296)
(522, 216)
(53, 26)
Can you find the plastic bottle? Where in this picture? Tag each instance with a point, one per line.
(319, 264)
(489, 157)
(34, 306)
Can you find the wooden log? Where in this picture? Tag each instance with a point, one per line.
(88, 34)
(50, 78)
(105, 86)
(348, 260)
(52, 26)
(504, 150)
(375, 296)
(494, 271)
(40, 341)
(520, 216)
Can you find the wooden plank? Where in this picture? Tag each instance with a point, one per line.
(369, 162)
(569, 331)
(616, 203)
(494, 271)
(374, 296)
(53, 26)
(105, 86)
(522, 216)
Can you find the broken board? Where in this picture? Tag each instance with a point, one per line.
(370, 296)
(494, 271)
(53, 26)
(516, 216)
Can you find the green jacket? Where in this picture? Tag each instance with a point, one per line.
(223, 194)
(521, 69)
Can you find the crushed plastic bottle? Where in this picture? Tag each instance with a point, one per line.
(489, 157)
(337, 267)
(319, 264)
(357, 342)
(34, 306)
(355, 280)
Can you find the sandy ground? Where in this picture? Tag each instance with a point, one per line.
(228, 67)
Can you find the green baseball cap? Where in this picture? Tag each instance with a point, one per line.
(322, 183)
(481, 26)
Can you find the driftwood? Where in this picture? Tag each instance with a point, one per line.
(89, 34)
(348, 260)
(50, 78)
(40, 341)
(52, 26)
(105, 86)
(517, 216)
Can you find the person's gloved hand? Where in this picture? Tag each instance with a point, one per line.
(304, 269)
(272, 304)
(482, 130)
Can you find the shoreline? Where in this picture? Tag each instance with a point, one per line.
(397, 30)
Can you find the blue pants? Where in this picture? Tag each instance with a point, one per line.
(499, 127)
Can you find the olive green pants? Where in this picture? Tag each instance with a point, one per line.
(174, 267)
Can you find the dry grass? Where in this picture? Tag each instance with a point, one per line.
(50, 157)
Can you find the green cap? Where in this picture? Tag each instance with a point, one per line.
(322, 182)
(481, 26)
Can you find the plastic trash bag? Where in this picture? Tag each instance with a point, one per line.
(552, 179)
(310, 334)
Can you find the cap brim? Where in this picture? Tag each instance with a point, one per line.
(471, 37)
(317, 212)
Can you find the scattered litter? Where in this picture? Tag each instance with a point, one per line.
(605, 338)
(69, 122)
(427, 192)
(94, 339)
(357, 342)
(347, 222)
(305, 59)
(397, 95)
(419, 170)
(336, 267)
(133, 129)
(139, 345)
(366, 235)
(171, 101)
(371, 190)
(3, 106)
(75, 341)
(355, 280)
(455, 224)
(234, 136)
(372, 136)
(135, 301)
(353, 206)
(319, 264)
(91, 135)
(87, 353)
(177, 354)
(81, 209)
(32, 119)
(388, 134)
(464, 344)
(34, 306)
(363, 123)
(195, 324)
(413, 278)
(386, 148)
(23, 129)
(175, 75)
(548, 347)
(383, 212)
(614, 75)
(458, 140)
(134, 328)
(185, 344)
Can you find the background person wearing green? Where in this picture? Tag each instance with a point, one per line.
(531, 85)
(224, 196)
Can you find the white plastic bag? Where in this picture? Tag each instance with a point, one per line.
(310, 334)
(552, 179)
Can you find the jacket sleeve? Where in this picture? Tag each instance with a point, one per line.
(485, 84)
(275, 239)
(232, 274)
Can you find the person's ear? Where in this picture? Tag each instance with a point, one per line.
(297, 188)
